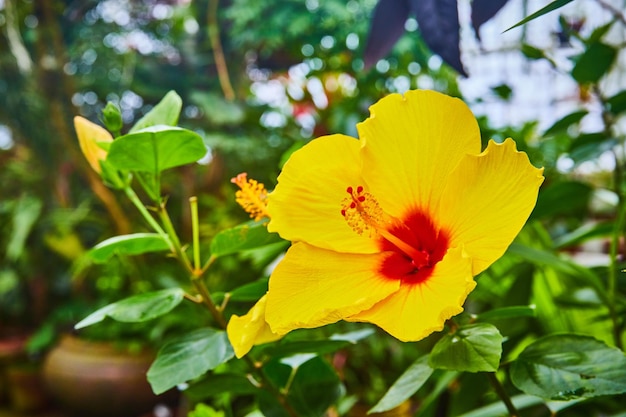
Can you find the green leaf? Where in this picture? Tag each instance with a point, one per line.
(155, 149)
(507, 313)
(594, 63)
(188, 357)
(590, 146)
(545, 258)
(565, 122)
(219, 111)
(245, 236)
(532, 52)
(25, 214)
(569, 366)
(583, 233)
(164, 113)
(472, 348)
(498, 409)
(314, 387)
(218, 384)
(134, 244)
(503, 91)
(547, 9)
(409, 382)
(203, 410)
(318, 347)
(599, 32)
(563, 198)
(138, 308)
(617, 103)
(249, 292)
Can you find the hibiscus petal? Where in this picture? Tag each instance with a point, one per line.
(487, 201)
(250, 329)
(306, 204)
(89, 134)
(417, 310)
(312, 287)
(412, 144)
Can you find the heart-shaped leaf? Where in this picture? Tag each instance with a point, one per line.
(155, 149)
(164, 113)
(472, 348)
(569, 366)
(188, 357)
(139, 308)
(409, 382)
(134, 244)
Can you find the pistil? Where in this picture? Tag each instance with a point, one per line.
(364, 214)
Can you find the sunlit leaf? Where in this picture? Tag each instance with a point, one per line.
(246, 236)
(547, 9)
(203, 410)
(472, 348)
(134, 244)
(569, 366)
(409, 382)
(138, 308)
(188, 357)
(507, 313)
(594, 63)
(155, 149)
(164, 113)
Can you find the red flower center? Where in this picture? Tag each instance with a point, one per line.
(431, 244)
(416, 243)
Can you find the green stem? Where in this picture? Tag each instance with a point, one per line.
(613, 271)
(132, 196)
(217, 315)
(504, 397)
(195, 231)
(202, 289)
(169, 228)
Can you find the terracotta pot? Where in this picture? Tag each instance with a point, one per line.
(21, 387)
(97, 379)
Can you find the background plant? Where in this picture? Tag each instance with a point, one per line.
(71, 58)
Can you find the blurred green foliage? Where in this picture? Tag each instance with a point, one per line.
(295, 72)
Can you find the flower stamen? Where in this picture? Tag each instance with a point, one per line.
(252, 196)
(363, 214)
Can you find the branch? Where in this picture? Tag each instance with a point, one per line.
(218, 52)
(16, 45)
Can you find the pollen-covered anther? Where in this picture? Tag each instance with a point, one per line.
(362, 212)
(252, 196)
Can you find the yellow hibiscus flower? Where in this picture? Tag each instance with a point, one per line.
(391, 228)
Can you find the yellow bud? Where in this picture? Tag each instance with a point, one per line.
(89, 136)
